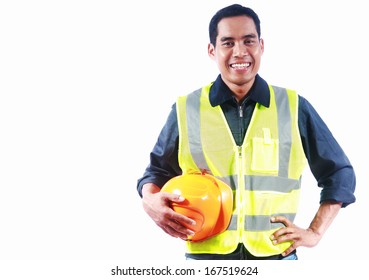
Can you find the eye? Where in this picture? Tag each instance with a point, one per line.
(249, 42)
(228, 44)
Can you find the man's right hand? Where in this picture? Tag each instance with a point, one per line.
(157, 205)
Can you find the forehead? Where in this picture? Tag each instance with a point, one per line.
(236, 27)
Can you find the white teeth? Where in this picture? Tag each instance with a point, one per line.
(240, 65)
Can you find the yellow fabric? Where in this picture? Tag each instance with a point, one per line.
(258, 156)
(184, 155)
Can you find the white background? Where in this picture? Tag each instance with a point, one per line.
(85, 87)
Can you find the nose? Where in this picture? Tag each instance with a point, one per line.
(240, 50)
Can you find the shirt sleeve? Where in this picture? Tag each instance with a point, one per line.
(328, 162)
(163, 164)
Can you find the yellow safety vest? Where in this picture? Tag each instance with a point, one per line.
(264, 173)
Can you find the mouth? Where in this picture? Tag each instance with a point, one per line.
(240, 66)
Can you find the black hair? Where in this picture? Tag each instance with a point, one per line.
(231, 11)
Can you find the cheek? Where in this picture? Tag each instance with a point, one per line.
(258, 53)
(223, 58)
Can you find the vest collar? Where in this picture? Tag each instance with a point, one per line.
(220, 92)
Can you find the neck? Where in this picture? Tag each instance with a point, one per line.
(240, 91)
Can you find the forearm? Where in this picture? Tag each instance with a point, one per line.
(306, 237)
(149, 188)
(324, 217)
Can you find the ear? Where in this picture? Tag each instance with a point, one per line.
(262, 45)
(211, 51)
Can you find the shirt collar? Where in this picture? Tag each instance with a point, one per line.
(220, 92)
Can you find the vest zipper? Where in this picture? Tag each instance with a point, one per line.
(240, 111)
(241, 186)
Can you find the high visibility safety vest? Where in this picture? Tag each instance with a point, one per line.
(264, 173)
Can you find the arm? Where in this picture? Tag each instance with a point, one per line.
(327, 160)
(163, 163)
(164, 166)
(333, 172)
(311, 236)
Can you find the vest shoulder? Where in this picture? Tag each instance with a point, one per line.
(279, 88)
(196, 92)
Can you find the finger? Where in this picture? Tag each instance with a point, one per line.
(173, 231)
(181, 229)
(173, 214)
(173, 197)
(280, 232)
(171, 223)
(182, 219)
(282, 235)
(289, 250)
(281, 219)
(292, 237)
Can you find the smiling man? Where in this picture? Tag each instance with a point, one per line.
(237, 51)
(255, 137)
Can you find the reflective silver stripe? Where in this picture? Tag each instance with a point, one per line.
(284, 130)
(267, 183)
(231, 181)
(193, 126)
(233, 223)
(263, 183)
(263, 223)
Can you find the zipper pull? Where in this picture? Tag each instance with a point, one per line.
(240, 111)
(239, 151)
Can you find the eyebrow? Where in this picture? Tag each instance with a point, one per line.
(223, 39)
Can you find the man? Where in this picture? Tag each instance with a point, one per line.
(256, 138)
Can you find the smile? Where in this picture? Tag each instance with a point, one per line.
(240, 65)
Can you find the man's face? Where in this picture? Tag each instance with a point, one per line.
(237, 52)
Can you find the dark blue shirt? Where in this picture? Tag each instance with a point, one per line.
(328, 162)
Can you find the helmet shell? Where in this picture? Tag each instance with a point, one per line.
(208, 201)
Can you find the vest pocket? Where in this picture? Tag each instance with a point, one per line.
(265, 155)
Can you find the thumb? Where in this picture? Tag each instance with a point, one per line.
(176, 197)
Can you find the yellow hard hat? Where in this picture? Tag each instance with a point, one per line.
(208, 201)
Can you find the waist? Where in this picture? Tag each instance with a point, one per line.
(241, 253)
